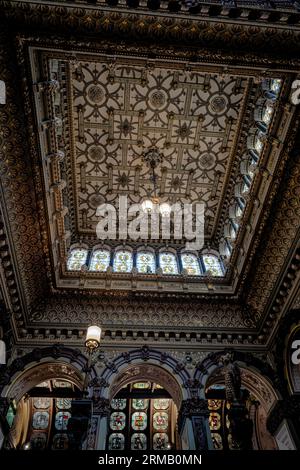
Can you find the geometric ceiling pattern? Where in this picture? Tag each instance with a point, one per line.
(119, 111)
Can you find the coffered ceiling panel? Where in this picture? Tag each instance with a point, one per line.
(120, 111)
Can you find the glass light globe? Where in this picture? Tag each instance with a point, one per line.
(93, 336)
(147, 206)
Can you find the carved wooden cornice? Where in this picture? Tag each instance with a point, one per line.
(261, 33)
(27, 247)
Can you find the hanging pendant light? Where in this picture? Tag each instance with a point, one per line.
(152, 202)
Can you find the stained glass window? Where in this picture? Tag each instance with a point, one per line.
(60, 441)
(160, 421)
(258, 144)
(117, 421)
(38, 441)
(145, 262)
(140, 403)
(77, 259)
(161, 403)
(168, 263)
(138, 441)
(276, 85)
(160, 441)
(63, 403)
(118, 403)
(123, 261)
(40, 420)
(267, 114)
(61, 420)
(41, 402)
(148, 422)
(116, 441)
(141, 385)
(139, 421)
(100, 260)
(212, 264)
(191, 264)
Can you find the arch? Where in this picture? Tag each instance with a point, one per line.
(42, 364)
(140, 364)
(258, 378)
(147, 372)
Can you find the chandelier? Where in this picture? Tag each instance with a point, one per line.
(151, 203)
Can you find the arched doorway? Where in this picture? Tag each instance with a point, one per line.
(259, 397)
(144, 401)
(41, 390)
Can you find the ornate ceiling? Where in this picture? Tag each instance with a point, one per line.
(122, 108)
(115, 101)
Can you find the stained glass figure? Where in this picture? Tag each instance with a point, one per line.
(100, 260)
(63, 403)
(161, 403)
(61, 420)
(38, 441)
(160, 441)
(142, 385)
(140, 403)
(160, 421)
(118, 403)
(116, 441)
(139, 421)
(77, 259)
(168, 263)
(217, 440)
(145, 262)
(123, 261)
(191, 264)
(213, 265)
(60, 441)
(117, 421)
(138, 441)
(40, 420)
(41, 403)
(214, 421)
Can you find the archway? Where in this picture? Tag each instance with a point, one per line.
(40, 388)
(144, 401)
(162, 378)
(258, 388)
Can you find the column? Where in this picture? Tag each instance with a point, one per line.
(193, 425)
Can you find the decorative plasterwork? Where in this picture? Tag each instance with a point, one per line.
(32, 270)
(279, 239)
(120, 108)
(130, 311)
(245, 33)
(18, 198)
